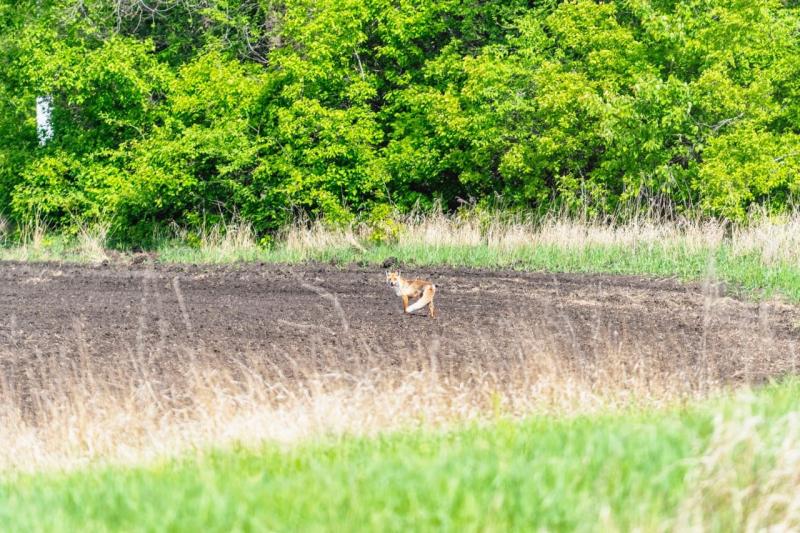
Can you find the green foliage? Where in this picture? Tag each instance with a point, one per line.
(382, 225)
(748, 166)
(337, 108)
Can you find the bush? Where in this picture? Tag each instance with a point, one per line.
(340, 108)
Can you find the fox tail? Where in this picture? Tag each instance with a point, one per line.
(427, 297)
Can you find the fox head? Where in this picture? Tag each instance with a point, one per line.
(393, 278)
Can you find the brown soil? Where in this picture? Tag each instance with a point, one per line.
(58, 317)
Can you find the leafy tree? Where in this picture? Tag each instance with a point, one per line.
(187, 110)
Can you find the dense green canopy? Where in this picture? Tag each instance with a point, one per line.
(180, 110)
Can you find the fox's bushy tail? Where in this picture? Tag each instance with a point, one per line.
(427, 297)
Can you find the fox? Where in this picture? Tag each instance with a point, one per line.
(413, 288)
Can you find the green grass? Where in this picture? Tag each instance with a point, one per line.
(759, 261)
(745, 273)
(620, 469)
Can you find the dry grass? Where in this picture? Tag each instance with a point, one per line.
(36, 242)
(84, 412)
(75, 408)
(4, 230)
(223, 242)
(774, 239)
(751, 470)
(32, 235)
(743, 478)
(770, 240)
(304, 237)
(87, 415)
(80, 408)
(228, 239)
(760, 258)
(92, 241)
(471, 229)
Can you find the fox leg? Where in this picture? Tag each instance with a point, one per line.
(405, 303)
(431, 308)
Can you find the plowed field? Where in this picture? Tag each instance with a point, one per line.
(58, 317)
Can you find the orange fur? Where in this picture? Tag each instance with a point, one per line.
(413, 288)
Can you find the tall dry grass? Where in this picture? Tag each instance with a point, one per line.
(69, 410)
(32, 235)
(80, 405)
(507, 233)
(773, 239)
(93, 241)
(747, 477)
(35, 241)
(4, 230)
(229, 239)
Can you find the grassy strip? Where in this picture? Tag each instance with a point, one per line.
(762, 259)
(747, 272)
(618, 470)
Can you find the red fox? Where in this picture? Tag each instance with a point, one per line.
(413, 288)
